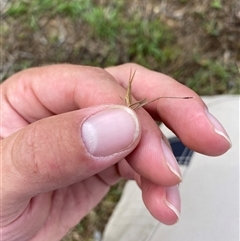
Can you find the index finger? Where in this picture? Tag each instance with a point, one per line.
(188, 119)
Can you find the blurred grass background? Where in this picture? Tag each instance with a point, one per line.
(196, 42)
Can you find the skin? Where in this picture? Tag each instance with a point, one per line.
(50, 182)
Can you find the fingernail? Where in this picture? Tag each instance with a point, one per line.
(171, 160)
(173, 200)
(218, 128)
(110, 131)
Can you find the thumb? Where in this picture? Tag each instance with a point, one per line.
(58, 151)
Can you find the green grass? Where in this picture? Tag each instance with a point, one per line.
(216, 4)
(214, 77)
(125, 37)
(114, 33)
(38, 8)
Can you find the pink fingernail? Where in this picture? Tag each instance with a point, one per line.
(171, 160)
(173, 200)
(218, 128)
(110, 131)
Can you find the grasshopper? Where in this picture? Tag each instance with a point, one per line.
(143, 102)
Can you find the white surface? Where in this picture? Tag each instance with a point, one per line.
(209, 191)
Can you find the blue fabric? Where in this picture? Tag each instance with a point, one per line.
(181, 152)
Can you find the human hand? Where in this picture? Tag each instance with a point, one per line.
(51, 174)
